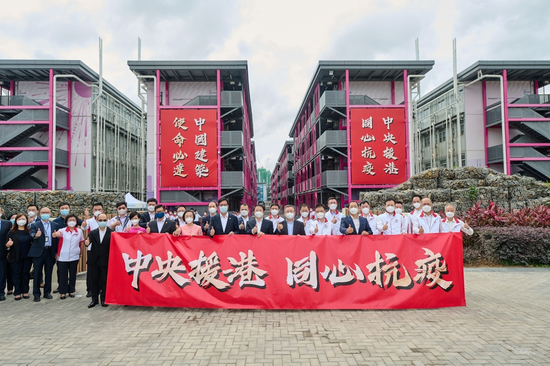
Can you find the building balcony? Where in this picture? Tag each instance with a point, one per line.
(231, 139)
(332, 99)
(334, 178)
(232, 180)
(336, 138)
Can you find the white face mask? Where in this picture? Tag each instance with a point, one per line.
(71, 224)
(398, 211)
(31, 213)
(244, 213)
(135, 221)
(353, 210)
(333, 207)
(151, 208)
(390, 209)
(450, 214)
(212, 210)
(122, 212)
(180, 214)
(426, 208)
(21, 222)
(416, 205)
(305, 214)
(259, 214)
(365, 210)
(188, 220)
(274, 212)
(320, 215)
(289, 215)
(97, 213)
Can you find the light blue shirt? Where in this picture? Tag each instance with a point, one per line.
(47, 233)
(290, 227)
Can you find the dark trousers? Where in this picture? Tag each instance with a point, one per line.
(3, 275)
(21, 275)
(43, 263)
(88, 282)
(98, 281)
(67, 276)
(9, 277)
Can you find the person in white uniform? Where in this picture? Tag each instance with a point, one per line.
(321, 225)
(333, 215)
(417, 203)
(389, 223)
(367, 214)
(450, 224)
(428, 222)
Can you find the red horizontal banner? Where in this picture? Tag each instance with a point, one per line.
(294, 272)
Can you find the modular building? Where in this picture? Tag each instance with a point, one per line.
(282, 179)
(199, 131)
(63, 127)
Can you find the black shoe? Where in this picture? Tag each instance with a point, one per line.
(88, 294)
(48, 296)
(103, 304)
(73, 295)
(94, 303)
(26, 296)
(17, 298)
(56, 291)
(36, 299)
(63, 297)
(2, 298)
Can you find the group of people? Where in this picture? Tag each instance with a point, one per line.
(37, 240)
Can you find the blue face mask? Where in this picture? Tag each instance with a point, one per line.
(64, 212)
(102, 224)
(223, 209)
(45, 217)
(159, 215)
(12, 221)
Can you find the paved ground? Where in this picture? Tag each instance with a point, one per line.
(507, 321)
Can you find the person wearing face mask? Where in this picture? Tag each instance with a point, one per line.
(148, 216)
(355, 224)
(259, 226)
(5, 227)
(427, 222)
(416, 202)
(88, 225)
(333, 215)
(321, 225)
(71, 239)
(389, 223)
(399, 211)
(162, 224)
(223, 223)
(43, 251)
(243, 218)
(371, 218)
(274, 215)
(99, 243)
(180, 212)
(64, 210)
(450, 224)
(18, 245)
(32, 212)
(135, 228)
(212, 211)
(121, 221)
(305, 217)
(190, 228)
(290, 226)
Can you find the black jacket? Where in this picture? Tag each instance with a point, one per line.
(39, 243)
(14, 253)
(267, 226)
(216, 223)
(99, 252)
(5, 227)
(168, 227)
(145, 218)
(297, 230)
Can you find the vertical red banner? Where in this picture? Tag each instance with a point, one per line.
(188, 148)
(378, 146)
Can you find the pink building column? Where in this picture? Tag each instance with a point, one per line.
(70, 106)
(51, 185)
(506, 124)
(348, 122)
(157, 106)
(485, 129)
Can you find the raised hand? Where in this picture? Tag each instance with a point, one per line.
(127, 229)
(255, 230)
(118, 223)
(230, 233)
(212, 232)
(84, 223)
(56, 234)
(178, 231)
(349, 230)
(385, 227)
(38, 234)
(316, 229)
(206, 226)
(334, 221)
(260, 234)
(87, 242)
(466, 224)
(9, 243)
(148, 229)
(364, 233)
(421, 231)
(280, 227)
(86, 214)
(241, 226)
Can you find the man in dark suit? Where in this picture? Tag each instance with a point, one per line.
(5, 226)
(259, 225)
(43, 251)
(162, 224)
(98, 243)
(223, 223)
(148, 216)
(243, 218)
(212, 211)
(296, 227)
(64, 210)
(354, 224)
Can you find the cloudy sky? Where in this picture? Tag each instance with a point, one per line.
(282, 40)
